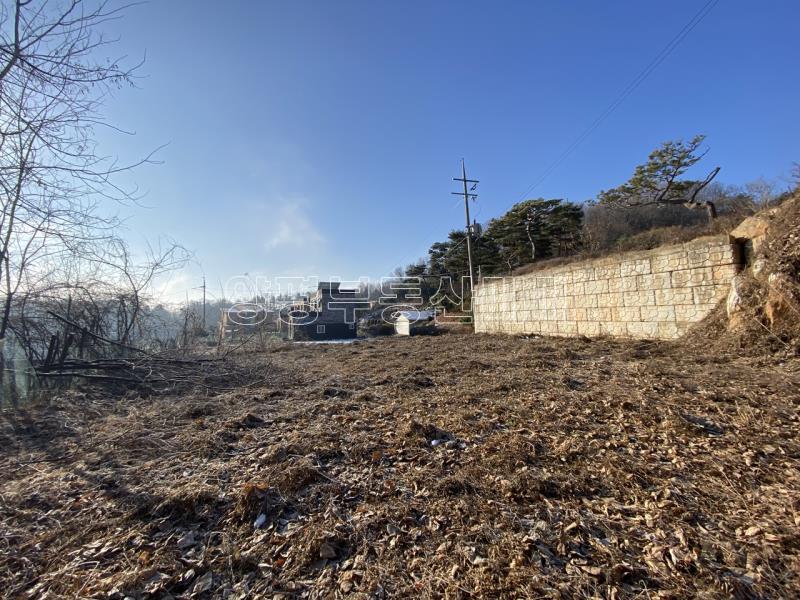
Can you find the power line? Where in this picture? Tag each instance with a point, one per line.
(626, 92)
(652, 66)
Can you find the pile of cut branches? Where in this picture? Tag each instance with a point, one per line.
(122, 366)
(152, 373)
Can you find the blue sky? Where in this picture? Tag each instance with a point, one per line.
(321, 138)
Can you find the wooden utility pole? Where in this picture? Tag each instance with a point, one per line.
(467, 197)
(203, 287)
(204, 304)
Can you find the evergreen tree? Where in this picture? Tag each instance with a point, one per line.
(535, 229)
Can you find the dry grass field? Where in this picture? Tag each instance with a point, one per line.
(452, 466)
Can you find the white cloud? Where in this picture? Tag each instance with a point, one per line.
(293, 229)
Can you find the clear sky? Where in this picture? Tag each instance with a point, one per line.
(321, 138)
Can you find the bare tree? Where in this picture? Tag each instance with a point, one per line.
(106, 296)
(762, 192)
(657, 182)
(55, 74)
(132, 278)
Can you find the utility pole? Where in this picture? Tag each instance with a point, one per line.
(204, 304)
(467, 197)
(202, 287)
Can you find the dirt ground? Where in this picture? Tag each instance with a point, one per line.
(452, 466)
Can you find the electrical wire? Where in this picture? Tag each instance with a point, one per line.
(626, 92)
(631, 87)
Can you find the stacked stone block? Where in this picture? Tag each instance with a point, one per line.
(657, 294)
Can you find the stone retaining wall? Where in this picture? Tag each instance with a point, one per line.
(653, 294)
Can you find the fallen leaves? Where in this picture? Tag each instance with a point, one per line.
(327, 551)
(555, 467)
